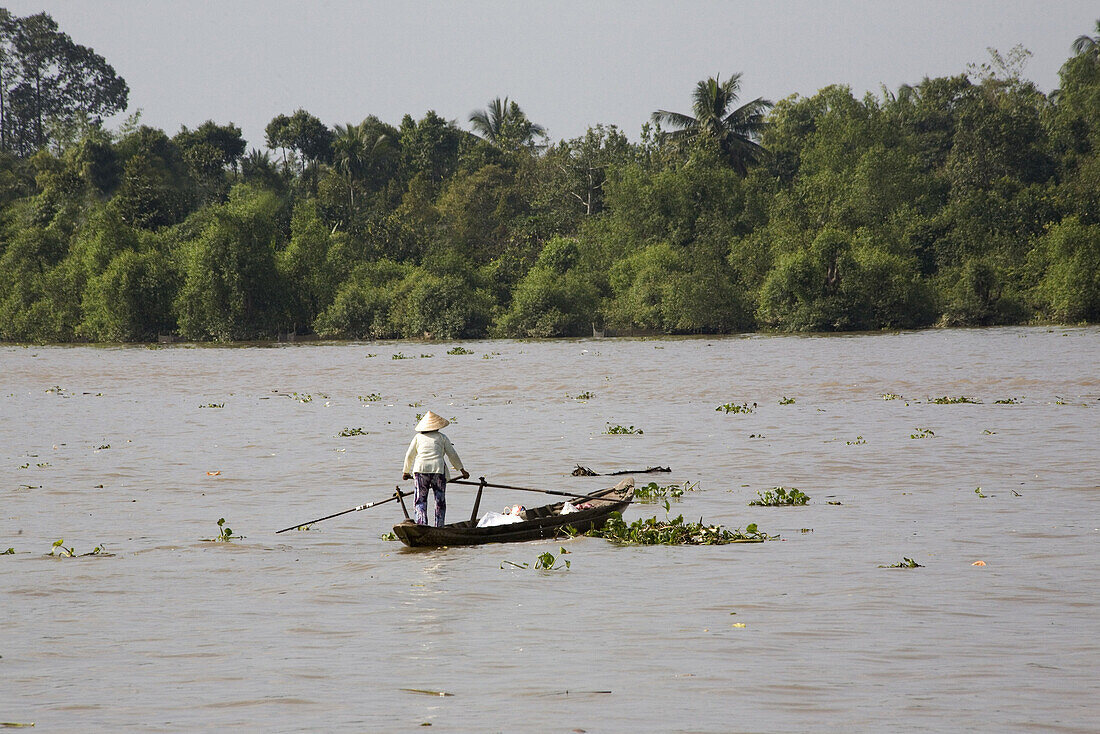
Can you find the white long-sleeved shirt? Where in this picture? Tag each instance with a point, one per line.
(427, 454)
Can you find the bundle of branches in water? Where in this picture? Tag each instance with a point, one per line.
(584, 471)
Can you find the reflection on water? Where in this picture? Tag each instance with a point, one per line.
(323, 629)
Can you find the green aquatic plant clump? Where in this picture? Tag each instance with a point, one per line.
(347, 432)
(674, 531)
(618, 430)
(961, 399)
(923, 433)
(61, 551)
(786, 401)
(225, 534)
(780, 497)
(459, 351)
(544, 562)
(735, 408)
(654, 492)
(371, 398)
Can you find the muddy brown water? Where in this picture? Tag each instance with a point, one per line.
(335, 629)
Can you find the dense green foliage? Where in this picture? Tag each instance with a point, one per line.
(964, 200)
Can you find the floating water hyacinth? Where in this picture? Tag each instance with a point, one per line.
(735, 408)
(674, 531)
(654, 492)
(617, 430)
(780, 497)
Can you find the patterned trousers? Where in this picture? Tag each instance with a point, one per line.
(438, 484)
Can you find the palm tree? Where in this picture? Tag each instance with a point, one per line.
(1087, 44)
(355, 151)
(735, 132)
(504, 125)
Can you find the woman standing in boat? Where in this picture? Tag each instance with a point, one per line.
(426, 461)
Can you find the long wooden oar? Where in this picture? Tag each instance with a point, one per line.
(573, 495)
(396, 495)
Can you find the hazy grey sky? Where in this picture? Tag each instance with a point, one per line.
(568, 64)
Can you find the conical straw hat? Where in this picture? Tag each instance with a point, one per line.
(431, 422)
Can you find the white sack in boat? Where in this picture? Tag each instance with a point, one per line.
(489, 519)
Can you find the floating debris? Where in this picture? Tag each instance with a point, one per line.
(584, 471)
(213, 405)
(860, 440)
(923, 433)
(786, 401)
(458, 351)
(649, 470)
(586, 395)
(372, 398)
(618, 430)
(953, 401)
(357, 431)
(426, 692)
(904, 563)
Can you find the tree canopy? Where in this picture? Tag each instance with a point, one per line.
(971, 199)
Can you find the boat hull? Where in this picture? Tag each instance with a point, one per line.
(542, 523)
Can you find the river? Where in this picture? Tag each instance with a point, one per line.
(140, 450)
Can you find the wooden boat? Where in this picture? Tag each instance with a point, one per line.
(542, 522)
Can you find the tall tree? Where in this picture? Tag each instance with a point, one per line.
(504, 125)
(736, 132)
(362, 150)
(48, 82)
(1086, 45)
(302, 133)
